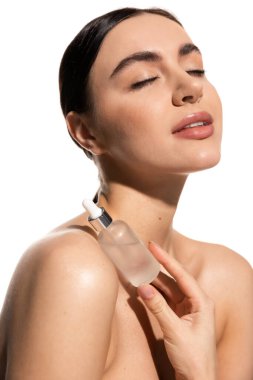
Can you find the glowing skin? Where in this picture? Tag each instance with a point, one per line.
(135, 125)
(66, 295)
(131, 131)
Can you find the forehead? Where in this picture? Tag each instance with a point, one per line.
(142, 32)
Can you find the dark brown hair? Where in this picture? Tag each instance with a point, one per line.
(81, 53)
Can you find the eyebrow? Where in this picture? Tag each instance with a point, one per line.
(149, 56)
(188, 49)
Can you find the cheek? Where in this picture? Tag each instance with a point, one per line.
(129, 120)
(214, 101)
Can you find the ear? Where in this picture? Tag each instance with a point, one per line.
(78, 127)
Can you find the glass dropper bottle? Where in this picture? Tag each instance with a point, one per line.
(121, 244)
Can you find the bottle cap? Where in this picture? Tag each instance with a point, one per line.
(98, 218)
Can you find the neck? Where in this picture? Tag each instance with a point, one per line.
(149, 213)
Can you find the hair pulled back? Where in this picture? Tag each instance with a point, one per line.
(81, 53)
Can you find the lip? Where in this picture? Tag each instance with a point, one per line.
(193, 118)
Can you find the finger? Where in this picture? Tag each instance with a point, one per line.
(186, 283)
(158, 306)
(168, 286)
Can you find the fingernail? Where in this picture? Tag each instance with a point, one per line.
(154, 243)
(146, 291)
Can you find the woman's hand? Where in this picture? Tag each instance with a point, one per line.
(186, 317)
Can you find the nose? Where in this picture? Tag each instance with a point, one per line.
(188, 89)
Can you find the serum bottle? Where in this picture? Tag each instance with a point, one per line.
(122, 246)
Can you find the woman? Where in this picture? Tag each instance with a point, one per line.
(136, 99)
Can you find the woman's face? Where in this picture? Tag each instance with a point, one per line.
(143, 102)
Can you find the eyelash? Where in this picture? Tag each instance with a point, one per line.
(138, 85)
(197, 73)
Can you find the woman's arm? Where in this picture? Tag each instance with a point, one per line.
(61, 329)
(235, 349)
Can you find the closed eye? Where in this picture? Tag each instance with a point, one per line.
(148, 81)
(137, 85)
(197, 73)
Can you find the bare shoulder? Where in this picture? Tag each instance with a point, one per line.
(227, 265)
(62, 256)
(222, 272)
(62, 294)
(231, 276)
(213, 257)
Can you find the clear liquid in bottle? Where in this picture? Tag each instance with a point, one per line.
(128, 253)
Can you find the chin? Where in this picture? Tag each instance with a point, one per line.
(206, 160)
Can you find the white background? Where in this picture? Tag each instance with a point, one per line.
(44, 176)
